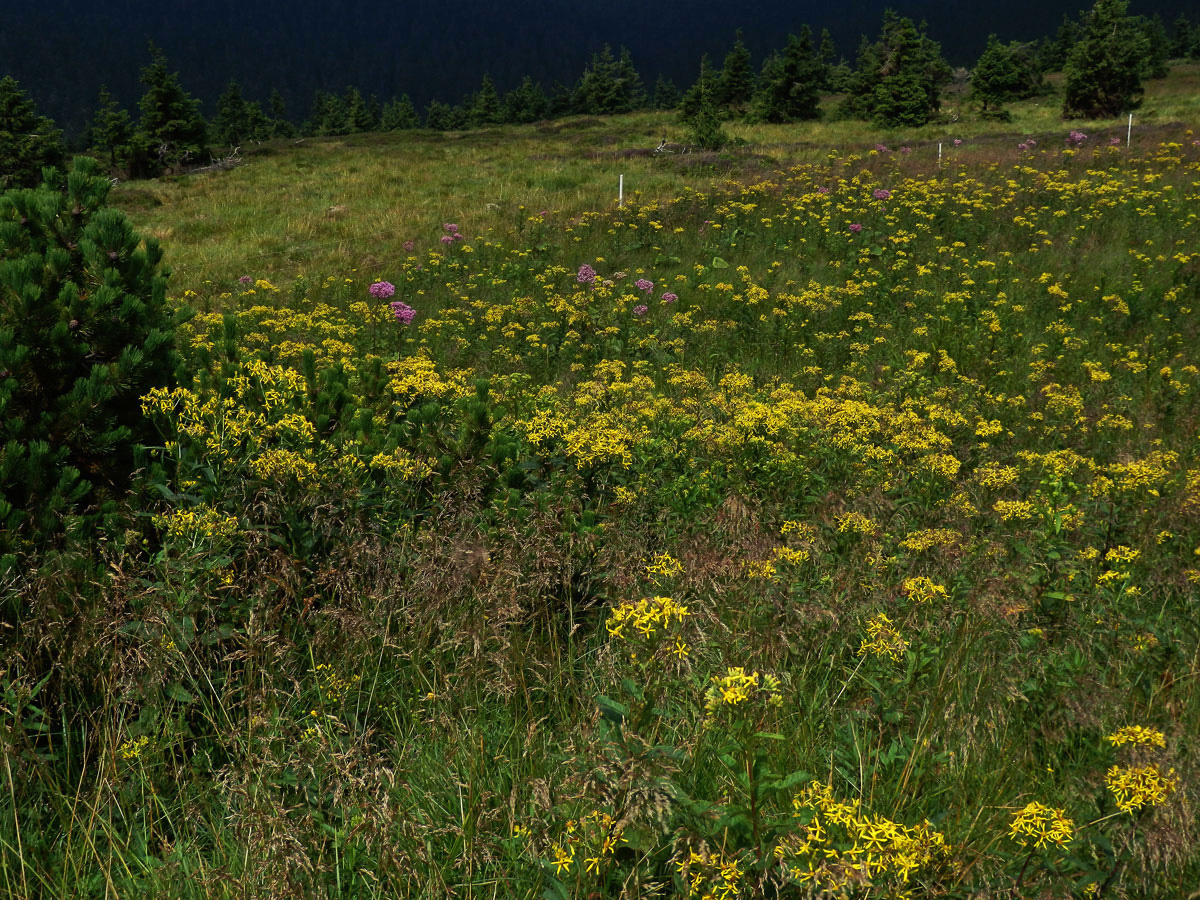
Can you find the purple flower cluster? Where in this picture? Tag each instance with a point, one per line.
(906, 149)
(855, 228)
(452, 233)
(586, 274)
(822, 190)
(381, 290)
(409, 245)
(958, 142)
(246, 279)
(640, 310)
(668, 297)
(1114, 141)
(881, 148)
(404, 313)
(1027, 144)
(1076, 138)
(644, 285)
(881, 194)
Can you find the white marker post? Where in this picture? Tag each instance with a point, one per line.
(620, 190)
(939, 153)
(1129, 133)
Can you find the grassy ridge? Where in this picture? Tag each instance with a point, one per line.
(818, 521)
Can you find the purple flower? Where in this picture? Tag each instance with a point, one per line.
(447, 239)
(644, 285)
(246, 279)
(881, 194)
(1114, 140)
(1076, 137)
(881, 148)
(958, 142)
(640, 310)
(822, 190)
(668, 297)
(586, 274)
(381, 290)
(855, 228)
(409, 245)
(1023, 146)
(906, 149)
(404, 313)
(450, 227)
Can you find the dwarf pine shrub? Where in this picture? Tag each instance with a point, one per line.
(85, 332)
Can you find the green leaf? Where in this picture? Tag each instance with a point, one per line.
(612, 710)
(179, 694)
(790, 781)
(719, 263)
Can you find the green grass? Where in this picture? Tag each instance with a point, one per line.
(359, 638)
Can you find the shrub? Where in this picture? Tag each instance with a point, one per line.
(85, 331)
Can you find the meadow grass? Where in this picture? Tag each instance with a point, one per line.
(822, 522)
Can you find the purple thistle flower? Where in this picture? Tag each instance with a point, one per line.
(246, 279)
(881, 148)
(644, 285)
(381, 290)
(586, 274)
(822, 190)
(447, 239)
(1076, 137)
(1023, 146)
(855, 228)
(640, 310)
(409, 245)
(668, 297)
(881, 194)
(404, 313)
(450, 227)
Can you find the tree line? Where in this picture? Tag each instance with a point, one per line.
(896, 79)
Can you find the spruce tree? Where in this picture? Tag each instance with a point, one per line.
(597, 92)
(1056, 52)
(358, 112)
(995, 77)
(826, 54)
(439, 117)
(279, 124)
(899, 77)
(527, 103)
(399, 115)
(85, 332)
(789, 87)
(28, 142)
(736, 84)
(111, 128)
(630, 93)
(171, 130)
(485, 106)
(1158, 50)
(706, 84)
(1184, 38)
(666, 94)
(1104, 69)
(231, 126)
(704, 131)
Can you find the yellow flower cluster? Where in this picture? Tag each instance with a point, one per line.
(711, 874)
(922, 590)
(738, 686)
(840, 849)
(883, 639)
(198, 523)
(333, 686)
(644, 617)
(589, 843)
(1040, 825)
(1137, 734)
(1136, 786)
